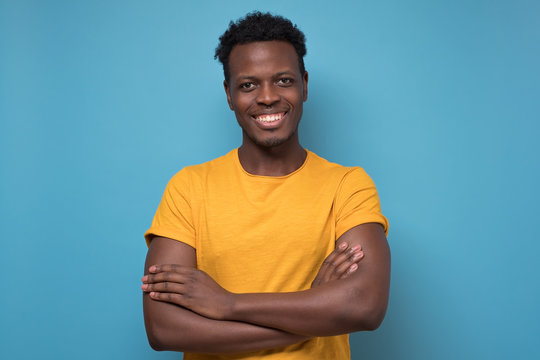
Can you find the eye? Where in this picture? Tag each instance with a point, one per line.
(248, 85)
(285, 81)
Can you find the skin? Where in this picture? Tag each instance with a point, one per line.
(172, 327)
(265, 79)
(186, 310)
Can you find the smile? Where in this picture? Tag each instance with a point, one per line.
(268, 118)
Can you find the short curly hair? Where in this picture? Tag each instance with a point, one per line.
(257, 26)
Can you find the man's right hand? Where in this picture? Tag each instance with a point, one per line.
(342, 262)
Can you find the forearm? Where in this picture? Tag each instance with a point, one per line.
(355, 303)
(171, 327)
(343, 306)
(332, 309)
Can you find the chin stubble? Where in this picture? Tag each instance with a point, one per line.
(270, 142)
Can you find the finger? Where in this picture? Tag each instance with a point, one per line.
(339, 261)
(332, 261)
(343, 261)
(327, 267)
(353, 254)
(170, 267)
(346, 256)
(168, 297)
(165, 277)
(343, 268)
(341, 247)
(351, 270)
(165, 287)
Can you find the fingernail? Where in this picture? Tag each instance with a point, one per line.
(343, 245)
(358, 255)
(144, 278)
(144, 286)
(152, 268)
(353, 267)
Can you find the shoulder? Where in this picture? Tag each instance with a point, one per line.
(198, 172)
(330, 170)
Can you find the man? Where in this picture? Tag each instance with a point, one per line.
(269, 251)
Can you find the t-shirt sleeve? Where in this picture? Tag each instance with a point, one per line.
(357, 202)
(174, 218)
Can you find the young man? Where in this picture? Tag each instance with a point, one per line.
(260, 253)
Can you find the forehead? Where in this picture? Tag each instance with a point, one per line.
(263, 57)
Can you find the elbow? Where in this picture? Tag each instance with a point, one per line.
(163, 334)
(366, 315)
(371, 321)
(155, 339)
(167, 328)
(372, 314)
(162, 338)
(155, 344)
(366, 320)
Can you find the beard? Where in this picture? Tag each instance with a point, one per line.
(271, 141)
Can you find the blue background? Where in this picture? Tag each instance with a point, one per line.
(101, 102)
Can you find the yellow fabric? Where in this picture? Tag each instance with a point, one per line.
(267, 234)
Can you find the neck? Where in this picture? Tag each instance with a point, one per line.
(271, 161)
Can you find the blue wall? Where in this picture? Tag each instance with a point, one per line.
(101, 102)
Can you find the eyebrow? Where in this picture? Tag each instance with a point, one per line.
(251, 77)
(285, 73)
(245, 77)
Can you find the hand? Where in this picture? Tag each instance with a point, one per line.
(341, 263)
(188, 287)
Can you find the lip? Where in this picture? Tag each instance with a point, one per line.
(270, 124)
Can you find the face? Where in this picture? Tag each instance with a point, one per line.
(266, 91)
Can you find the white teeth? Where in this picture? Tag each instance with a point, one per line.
(269, 118)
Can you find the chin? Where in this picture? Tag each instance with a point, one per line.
(270, 141)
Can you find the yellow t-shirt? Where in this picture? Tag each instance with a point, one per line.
(267, 234)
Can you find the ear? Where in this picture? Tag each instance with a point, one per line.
(304, 83)
(228, 92)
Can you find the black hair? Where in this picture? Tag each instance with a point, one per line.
(257, 26)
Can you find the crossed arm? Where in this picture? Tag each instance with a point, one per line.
(186, 310)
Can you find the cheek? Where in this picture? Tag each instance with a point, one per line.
(243, 104)
(295, 95)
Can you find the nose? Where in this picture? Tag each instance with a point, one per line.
(267, 95)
